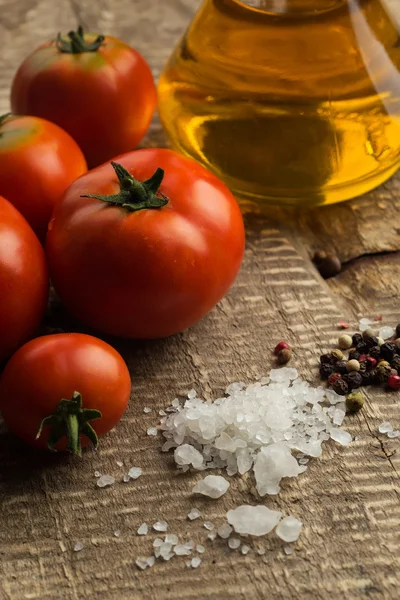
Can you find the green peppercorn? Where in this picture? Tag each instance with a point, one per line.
(284, 356)
(383, 363)
(337, 354)
(380, 341)
(354, 402)
(352, 365)
(345, 341)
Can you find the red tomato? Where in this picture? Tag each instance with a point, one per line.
(23, 280)
(155, 265)
(97, 88)
(51, 369)
(38, 161)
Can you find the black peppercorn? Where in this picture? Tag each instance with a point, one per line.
(362, 348)
(341, 367)
(357, 339)
(354, 354)
(383, 372)
(395, 363)
(325, 370)
(368, 377)
(388, 350)
(371, 341)
(375, 352)
(327, 359)
(398, 330)
(341, 387)
(328, 265)
(353, 380)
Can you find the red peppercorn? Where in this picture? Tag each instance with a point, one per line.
(371, 362)
(332, 379)
(363, 358)
(394, 382)
(281, 346)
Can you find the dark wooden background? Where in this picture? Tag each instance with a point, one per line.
(348, 499)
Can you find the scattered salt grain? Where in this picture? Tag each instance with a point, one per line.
(152, 431)
(386, 332)
(105, 480)
(195, 562)
(150, 561)
(213, 486)
(181, 550)
(385, 427)
(158, 542)
(97, 474)
(288, 550)
(245, 549)
(117, 533)
(171, 538)
(126, 478)
(233, 543)
(260, 550)
(78, 547)
(143, 529)
(189, 545)
(393, 434)
(340, 436)
(135, 472)
(212, 536)
(162, 413)
(194, 514)
(272, 463)
(289, 529)
(253, 520)
(120, 463)
(160, 526)
(208, 525)
(188, 455)
(365, 324)
(224, 531)
(200, 549)
(147, 409)
(141, 563)
(304, 461)
(192, 394)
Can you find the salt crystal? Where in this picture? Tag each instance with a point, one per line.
(141, 563)
(233, 543)
(147, 409)
(385, 427)
(393, 434)
(117, 533)
(253, 520)
(160, 526)
(386, 332)
(78, 547)
(195, 562)
(338, 416)
(340, 436)
(105, 480)
(194, 514)
(143, 529)
(152, 431)
(126, 478)
(283, 374)
(289, 529)
(175, 403)
(260, 551)
(189, 545)
(208, 525)
(120, 463)
(135, 472)
(365, 324)
(333, 397)
(200, 549)
(212, 536)
(224, 531)
(288, 550)
(162, 413)
(303, 461)
(245, 549)
(150, 561)
(97, 474)
(181, 550)
(158, 542)
(272, 463)
(171, 538)
(192, 394)
(188, 455)
(213, 486)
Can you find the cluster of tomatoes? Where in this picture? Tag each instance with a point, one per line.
(141, 246)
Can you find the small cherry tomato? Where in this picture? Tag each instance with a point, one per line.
(38, 161)
(146, 247)
(97, 88)
(24, 283)
(63, 391)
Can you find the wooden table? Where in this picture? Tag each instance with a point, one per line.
(348, 499)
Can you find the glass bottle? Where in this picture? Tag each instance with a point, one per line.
(288, 101)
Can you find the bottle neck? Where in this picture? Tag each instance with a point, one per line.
(288, 7)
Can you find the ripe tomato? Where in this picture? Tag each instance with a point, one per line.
(23, 280)
(145, 263)
(47, 380)
(38, 161)
(97, 88)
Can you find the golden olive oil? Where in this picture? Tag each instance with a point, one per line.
(288, 101)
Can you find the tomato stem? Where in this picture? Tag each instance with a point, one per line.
(3, 118)
(135, 195)
(72, 421)
(76, 44)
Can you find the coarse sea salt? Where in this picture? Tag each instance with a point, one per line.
(135, 472)
(289, 529)
(261, 427)
(213, 486)
(194, 514)
(105, 480)
(253, 520)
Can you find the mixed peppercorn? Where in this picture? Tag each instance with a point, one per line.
(370, 361)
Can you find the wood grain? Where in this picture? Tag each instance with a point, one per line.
(348, 499)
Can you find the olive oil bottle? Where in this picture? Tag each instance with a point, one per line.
(288, 101)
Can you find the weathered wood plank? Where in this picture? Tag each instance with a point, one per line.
(348, 499)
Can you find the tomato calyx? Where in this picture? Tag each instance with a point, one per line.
(76, 43)
(72, 421)
(135, 195)
(3, 118)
